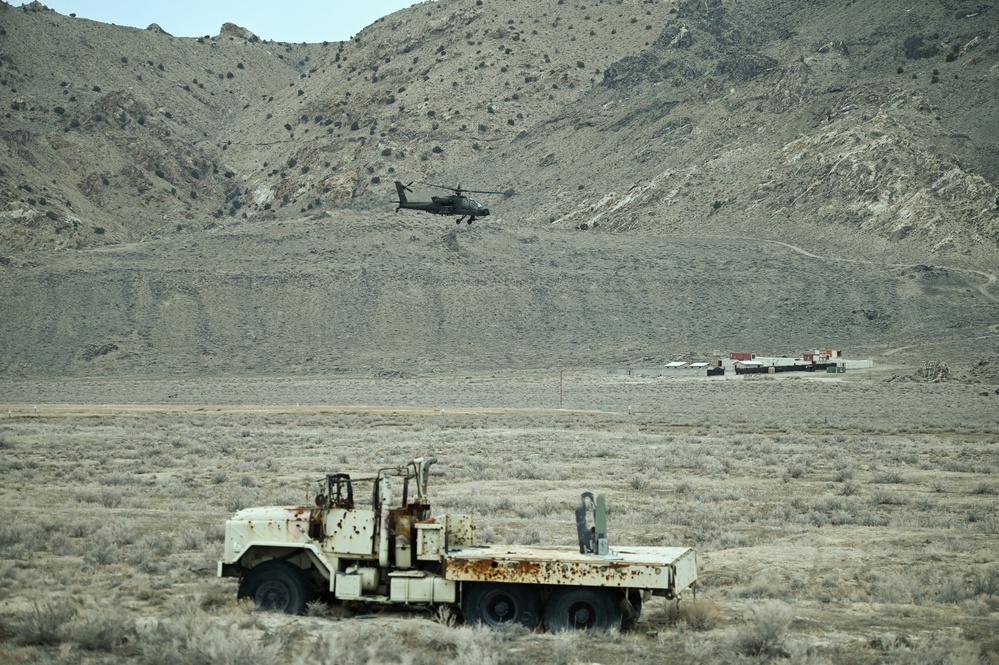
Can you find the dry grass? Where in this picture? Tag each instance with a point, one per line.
(699, 614)
(816, 542)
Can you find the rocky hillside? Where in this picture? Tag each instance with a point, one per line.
(847, 117)
(857, 138)
(146, 132)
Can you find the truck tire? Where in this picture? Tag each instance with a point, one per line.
(582, 608)
(497, 605)
(277, 586)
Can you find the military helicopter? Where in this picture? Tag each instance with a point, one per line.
(454, 204)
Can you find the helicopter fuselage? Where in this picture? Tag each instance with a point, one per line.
(447, 205)
(460, 205)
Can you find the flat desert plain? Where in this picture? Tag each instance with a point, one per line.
(847, 519)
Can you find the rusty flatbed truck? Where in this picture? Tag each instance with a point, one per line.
(397, 553)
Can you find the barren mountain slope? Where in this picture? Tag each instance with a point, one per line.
(691, 177)
(380, 294)
(146, 131)
(113, 133)
(651, 115)
(816, 121)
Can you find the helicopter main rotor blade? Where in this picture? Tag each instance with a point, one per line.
(460, 190)
(480, 191)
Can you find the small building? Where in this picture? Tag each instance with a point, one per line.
(750, 367)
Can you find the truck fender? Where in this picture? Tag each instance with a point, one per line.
(277, 551)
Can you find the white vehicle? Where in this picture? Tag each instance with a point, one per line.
(376, 550)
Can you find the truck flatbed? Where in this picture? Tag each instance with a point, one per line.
(665, 570)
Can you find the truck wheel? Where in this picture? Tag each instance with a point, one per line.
(498, 605)
(277, 586)
(581, 608)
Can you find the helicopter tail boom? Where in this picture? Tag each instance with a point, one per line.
(401, 188)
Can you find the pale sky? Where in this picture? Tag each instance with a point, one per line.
(312, 21)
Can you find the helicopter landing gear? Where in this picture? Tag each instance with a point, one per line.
(461, 219)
